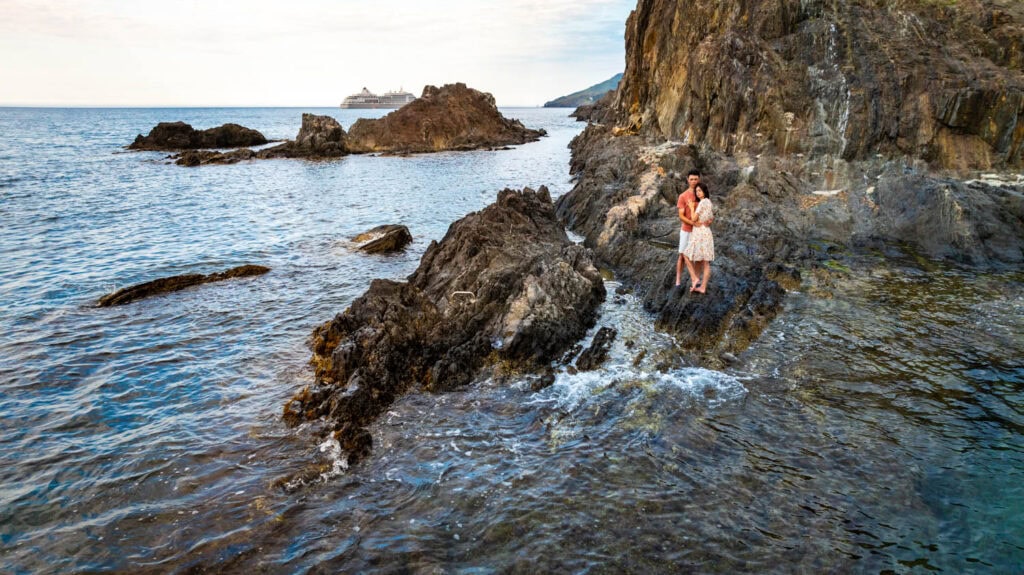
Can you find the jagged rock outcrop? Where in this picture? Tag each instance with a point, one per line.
(821, 127)
(175, 283)
(937, 81)
(596, 112)
(319, 137)
(504, 290)
(452, 117)
(383, 239)
(172, 136)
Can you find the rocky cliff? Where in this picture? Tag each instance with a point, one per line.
(821, 127)
(939, 81)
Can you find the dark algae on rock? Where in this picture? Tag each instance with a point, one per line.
(504, 291)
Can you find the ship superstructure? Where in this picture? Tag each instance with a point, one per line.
(367, 99)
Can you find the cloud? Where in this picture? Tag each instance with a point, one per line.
(307, 48)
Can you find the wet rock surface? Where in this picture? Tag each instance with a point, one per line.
(176, 283)
(594, 356)
(319, 137)
(171, 136)
(383, 239)
(452, 117)
(771, 227)
(504, 291)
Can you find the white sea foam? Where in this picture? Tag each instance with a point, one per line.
(637, 343)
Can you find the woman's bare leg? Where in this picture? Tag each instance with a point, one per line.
(707, 275)
(693, 272)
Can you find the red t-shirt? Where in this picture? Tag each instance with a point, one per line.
(683, 203)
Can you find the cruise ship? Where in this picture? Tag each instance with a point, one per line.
(367, 99)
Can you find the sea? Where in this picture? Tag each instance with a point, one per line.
(877, 426)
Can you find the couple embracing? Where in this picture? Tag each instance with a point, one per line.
(696, 245)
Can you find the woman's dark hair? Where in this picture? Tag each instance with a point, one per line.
(704, 188)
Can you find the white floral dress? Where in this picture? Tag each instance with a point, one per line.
(702, 245)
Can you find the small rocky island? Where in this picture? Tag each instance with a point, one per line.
(452, 117)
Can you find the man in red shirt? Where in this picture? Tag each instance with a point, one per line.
(686, 204)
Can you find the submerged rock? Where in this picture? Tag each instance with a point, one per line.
(193, 158)
(505, 290)
(452, 117)
(383, 239)
(319, 137)
(170, 136)
(175, 283)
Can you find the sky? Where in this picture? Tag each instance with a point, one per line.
(301, 52)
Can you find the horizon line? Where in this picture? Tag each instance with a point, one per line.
(207, 106)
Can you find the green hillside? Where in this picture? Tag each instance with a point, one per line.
(588, 96)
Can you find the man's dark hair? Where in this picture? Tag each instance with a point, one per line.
(693, 172)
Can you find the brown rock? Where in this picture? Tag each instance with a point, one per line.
(504, 290)
(383, 239)
(939, 81)
(319, 137)
(170, 136)
(452, 117)
(175, 283)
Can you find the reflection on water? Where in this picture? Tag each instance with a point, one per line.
(876, 426)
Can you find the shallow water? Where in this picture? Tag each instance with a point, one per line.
(877, 424)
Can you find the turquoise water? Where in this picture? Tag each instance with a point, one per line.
(876, 426)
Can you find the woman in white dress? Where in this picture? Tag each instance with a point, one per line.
(701, 249)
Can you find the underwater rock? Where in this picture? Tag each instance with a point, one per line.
(193, 158)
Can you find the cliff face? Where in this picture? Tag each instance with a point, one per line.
(823, 128)
(934, 80)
